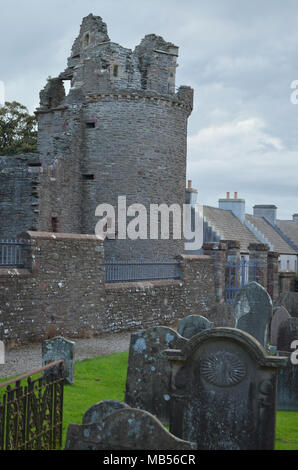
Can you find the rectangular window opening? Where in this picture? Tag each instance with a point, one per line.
(54, 223)
(90, 125)
(88, 177)
(115, 71)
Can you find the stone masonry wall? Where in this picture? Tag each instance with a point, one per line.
(121, 131)
(64, 293)
(138, 305)
(59, 293)
(19, 179)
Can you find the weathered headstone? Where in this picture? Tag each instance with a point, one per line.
(224, 391)
(287, 390)
(149, 371)
(101, 410)
(287, 333)
(192, 325)
(288, 377)
(289, 300)
(252, 310)
(280, 314)
(60, 348)
(127, 429)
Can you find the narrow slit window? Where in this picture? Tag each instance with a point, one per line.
(86, 40)
(55, 224)
(115, 71)
(90, 125)
(88, 177)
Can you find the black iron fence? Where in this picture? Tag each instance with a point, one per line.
(12, 253)
(31, 410)
(140, 270)
(238, 275)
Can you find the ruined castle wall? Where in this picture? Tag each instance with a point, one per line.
(19, 178)
(59, 197)
(121, 131)
(137, 149)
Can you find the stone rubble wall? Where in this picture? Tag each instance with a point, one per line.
(63, 293)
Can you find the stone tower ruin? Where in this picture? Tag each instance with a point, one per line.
(120, 131)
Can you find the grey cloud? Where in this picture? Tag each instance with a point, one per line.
(239, 56)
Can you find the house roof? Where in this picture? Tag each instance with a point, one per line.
(290, 228)
(229, 227)
(279, 244)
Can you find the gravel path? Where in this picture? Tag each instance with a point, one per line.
(27, 358)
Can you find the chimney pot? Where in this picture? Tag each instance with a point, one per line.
(189, 184)
(235, 195)
(228, 195)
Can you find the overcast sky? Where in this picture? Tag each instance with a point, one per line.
(240, 57)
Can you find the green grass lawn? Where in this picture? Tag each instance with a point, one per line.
(286, 430)
(103, 378)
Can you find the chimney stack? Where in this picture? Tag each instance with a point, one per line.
(237, 206)
(266, 211)
(191, 194)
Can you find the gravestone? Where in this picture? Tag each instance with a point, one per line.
(126, 429)
(289, 300)
(192, 325)
(287, 333)
(149, 371)
(252, 310)
(224, 391)
(288, 377)
(280, 314)
(101, 410)
(60, 348)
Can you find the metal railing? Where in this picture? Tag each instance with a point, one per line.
(237, 276)
(140, 270)
(31, 413)
(12, 253)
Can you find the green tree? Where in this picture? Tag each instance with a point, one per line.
(18, 129)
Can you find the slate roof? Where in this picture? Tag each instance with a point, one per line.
(290, 228)
(279, 244)
(229, 227)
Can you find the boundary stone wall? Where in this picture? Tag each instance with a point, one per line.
(62, 292)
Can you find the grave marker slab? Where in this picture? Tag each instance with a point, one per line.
(60, 348)
(287, 390)
(280, 314)
(289, 300)
(287, 333)
(288, 377)
(149, 371)
(252, 310)
(126, 429)
(224, 391)
(101, 410)
(192, 325)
